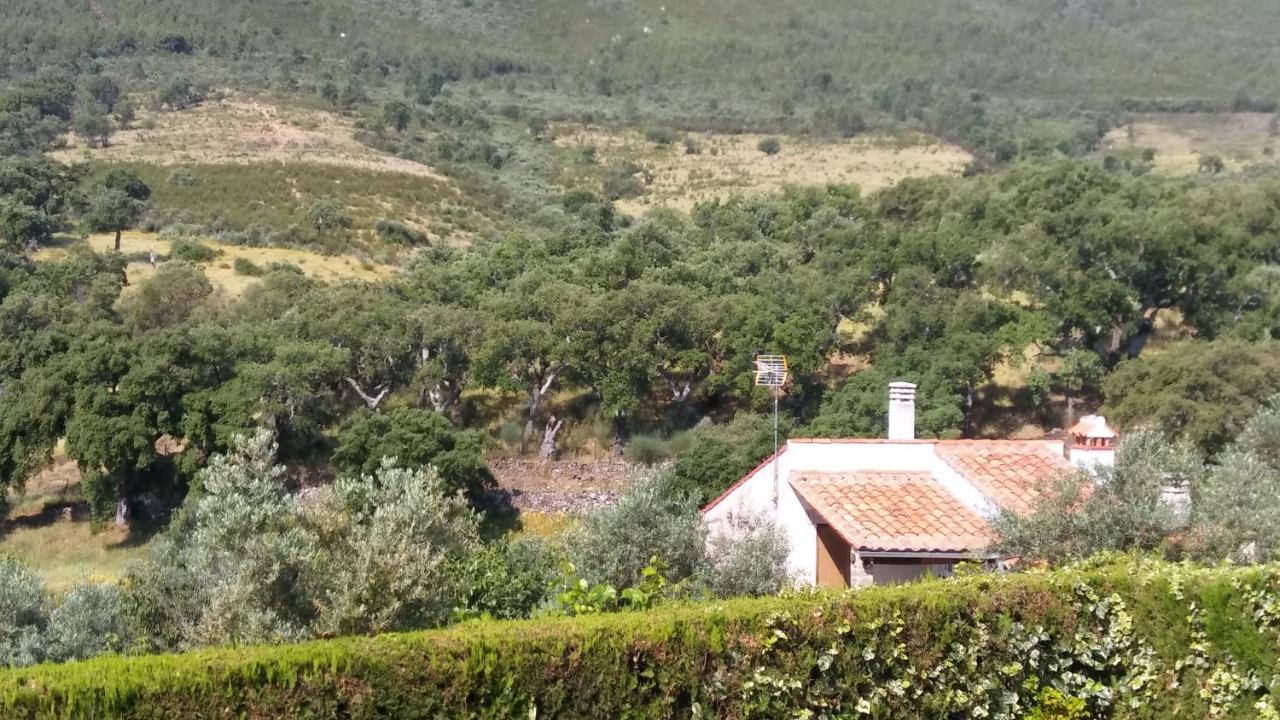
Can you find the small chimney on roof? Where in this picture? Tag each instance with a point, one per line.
(1091, 442)
(902, 411)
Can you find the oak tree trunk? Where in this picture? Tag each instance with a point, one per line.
(548, 449)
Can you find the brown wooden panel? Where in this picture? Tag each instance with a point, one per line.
(833, 558)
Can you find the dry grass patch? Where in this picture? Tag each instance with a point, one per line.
(1182, 139)
(725, 165)
(48, 530)
(220, 271)
(241, 129)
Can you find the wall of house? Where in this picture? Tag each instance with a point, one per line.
(755, 497)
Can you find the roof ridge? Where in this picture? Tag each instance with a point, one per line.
(926, 441)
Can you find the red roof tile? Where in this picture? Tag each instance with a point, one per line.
(893, 511)
(1013, 474)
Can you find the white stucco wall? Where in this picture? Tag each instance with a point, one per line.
(755, 496)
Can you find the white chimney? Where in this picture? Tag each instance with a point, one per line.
(1091, 443)
(902, 411)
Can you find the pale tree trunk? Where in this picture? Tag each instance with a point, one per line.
(122, 506)
(118, 232)
(537, 393)
(372, 401)
(619, 433)
(549, 438)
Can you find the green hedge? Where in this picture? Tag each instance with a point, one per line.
(1135, 639)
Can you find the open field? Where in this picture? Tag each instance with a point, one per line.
(243, 129)
(48, 529)
(244, 161)
(1182, 139)
(725, 165)
(220, 271)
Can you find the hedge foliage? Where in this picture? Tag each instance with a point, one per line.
(1131, 639)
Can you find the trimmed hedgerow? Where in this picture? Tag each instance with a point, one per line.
(1133, 640)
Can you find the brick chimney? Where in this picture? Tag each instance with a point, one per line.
(1091, 443)
(902, 411)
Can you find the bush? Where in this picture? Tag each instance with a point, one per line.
(183, 177)
(248, 268)
(399, 234)
(661, 135)
(647, 449)
(416, 439)
(22, 614)
(653, 518)
(506, 579)
(717, 455)
(624, 180)
(1121, 509)
(248, 562)
(751, 560)
(192, 251)
(769, 146)
(328, 215)
(180, 94)
(1133, 639)
(89, 621)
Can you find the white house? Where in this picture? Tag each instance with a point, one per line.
(859, 511)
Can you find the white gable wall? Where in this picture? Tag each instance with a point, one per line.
(755, 496)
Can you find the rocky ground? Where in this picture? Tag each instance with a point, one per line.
(563, 486)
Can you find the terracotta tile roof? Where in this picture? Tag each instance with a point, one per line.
(1013, 474)
(892, 511)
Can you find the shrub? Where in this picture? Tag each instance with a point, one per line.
(1134, 639)
(1122, 510)
(647, 449)
(22, 614)
(749, 560)
(180, 94)
(661, 135)
(399, 233)
(416, 439)
(192, 251)
(168, 297)
(328, 215)
(614, 545)
(769, 146)
(717, 455)
(87, 622)
(248, 268)
(248, 562)
(183, 177)
(623, 180)
(505, 579)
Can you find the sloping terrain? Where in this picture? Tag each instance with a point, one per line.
(1182, 140)
(243, 129)
(221, 271)
(710, 166)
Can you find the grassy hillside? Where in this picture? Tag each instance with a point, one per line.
(1034, 49)
(708, 64)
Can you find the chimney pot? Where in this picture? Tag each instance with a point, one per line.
(902, 411)
(1091, 442)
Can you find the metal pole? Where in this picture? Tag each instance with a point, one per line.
(777, 488)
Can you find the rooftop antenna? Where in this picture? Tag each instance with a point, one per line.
(773, 372)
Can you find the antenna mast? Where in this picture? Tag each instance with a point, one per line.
(773, 372)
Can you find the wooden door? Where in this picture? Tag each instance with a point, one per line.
(834, 556)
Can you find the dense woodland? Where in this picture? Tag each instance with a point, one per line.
(1044, 282)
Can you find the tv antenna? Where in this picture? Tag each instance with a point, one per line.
(773, 372)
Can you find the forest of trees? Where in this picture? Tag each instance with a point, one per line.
(560, 323)
(649, 327)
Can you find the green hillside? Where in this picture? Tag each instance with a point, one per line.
(706, 63)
